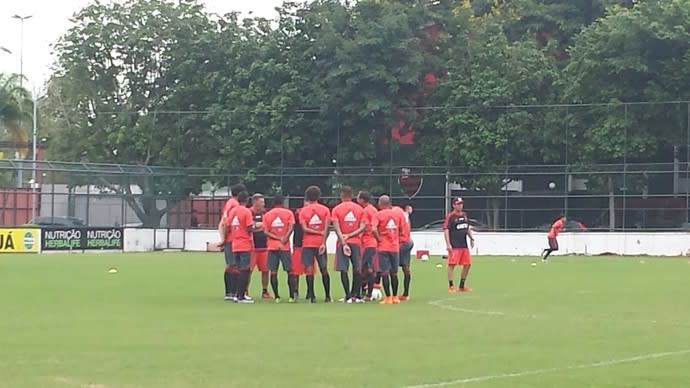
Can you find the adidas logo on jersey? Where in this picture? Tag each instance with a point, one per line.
(315, 221)
(235, 221)
(391, 225)
(277, 223)
(350, 217)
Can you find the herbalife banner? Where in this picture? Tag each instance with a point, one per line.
(82, 239)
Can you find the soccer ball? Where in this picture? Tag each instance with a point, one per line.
(425, 257)
(376, 294)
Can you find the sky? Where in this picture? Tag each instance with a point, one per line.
(51, 19)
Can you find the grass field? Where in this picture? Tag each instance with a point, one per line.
(161, 322)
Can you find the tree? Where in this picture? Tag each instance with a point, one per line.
(123, 71)
(475, 128)
(16, 112)
(16, 106)
(634, 55)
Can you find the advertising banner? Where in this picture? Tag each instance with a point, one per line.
(19, 240)
(65, 239)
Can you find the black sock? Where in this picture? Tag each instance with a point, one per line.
(274, 285)
(264, 291)
(548, 252)
(242, 283)
(345, 279)
(386, 285)
(378, 278)
(227, 279)
(450, 283)
(394, 283)
(406, 283)
(370, 285)
(310, 287)
(296, 284)
(326, 279)
(291, 285)
(234, 282)
(356, 285)
(462, 283)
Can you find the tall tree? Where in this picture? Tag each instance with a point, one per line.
(123, 71)
(634, 55)
(476, 130)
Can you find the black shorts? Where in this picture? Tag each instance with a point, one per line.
(309, 255)
(275, 258)
(369, 259)
(406, 253)
(242, 260)
(389, 262)
(553, 243)
(342, 262)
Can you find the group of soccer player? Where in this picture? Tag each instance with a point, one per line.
(374, 240)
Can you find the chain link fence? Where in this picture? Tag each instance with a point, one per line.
(525, 198)
(612, 166)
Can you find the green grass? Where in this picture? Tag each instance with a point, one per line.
(161, 322)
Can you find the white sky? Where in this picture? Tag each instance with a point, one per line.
(50, 20)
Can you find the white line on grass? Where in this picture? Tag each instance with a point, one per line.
(549, 370)
(439, 303)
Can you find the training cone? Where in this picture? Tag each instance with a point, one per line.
(112, 271)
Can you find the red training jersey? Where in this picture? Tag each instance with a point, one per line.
(316, 216)
(229, 205)
(278, 221)
(349, 216)
(406, 226)
(556, 228)
(239, 220)
(368, 239)
(388, 222)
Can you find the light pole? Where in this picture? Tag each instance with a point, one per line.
(21, 46)
(34, 127)
(20, 173)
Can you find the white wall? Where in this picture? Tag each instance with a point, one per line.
(488, 244)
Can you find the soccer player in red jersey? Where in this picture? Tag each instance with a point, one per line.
(348, 222)
(456, 230)
(241, 226)
(279, 223)
(260, 252)
(387, 228)
(315, 218)
(406, 245)
(226, 242)
(369, 243)
(556, 228)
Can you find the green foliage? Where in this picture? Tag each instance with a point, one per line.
(327, 80)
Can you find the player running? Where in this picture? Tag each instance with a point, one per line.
(241, 226)
(226, 241)
(406, 245)
(279, 223)
(348, 222)
(556, 228)
(259, 257)
(369, 243)
(314, 218)
(387, 228)
(456, 230)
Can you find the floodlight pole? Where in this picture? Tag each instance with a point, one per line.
(20, 174)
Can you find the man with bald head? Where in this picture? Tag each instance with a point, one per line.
(387, 228)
